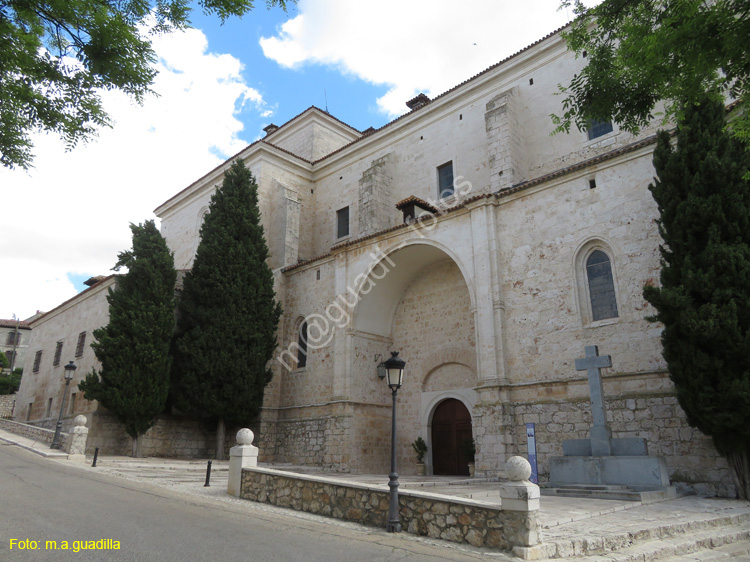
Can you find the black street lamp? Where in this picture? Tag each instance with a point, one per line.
(394, 369)
(70, 370)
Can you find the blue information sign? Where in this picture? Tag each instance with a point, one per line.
(531, 440)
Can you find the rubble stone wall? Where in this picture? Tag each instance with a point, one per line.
(478, 523)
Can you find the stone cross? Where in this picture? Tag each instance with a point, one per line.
(600, 434)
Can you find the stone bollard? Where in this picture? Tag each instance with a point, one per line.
(242, 455)
(77, 440)
(521, 497)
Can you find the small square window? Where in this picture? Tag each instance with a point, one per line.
(445, 180)
(598, 128)
(342, 222)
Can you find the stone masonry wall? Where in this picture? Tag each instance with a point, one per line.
(693, 463)
(375, 198)
(7, 405)
(168, 437)
(36, 433)
(504, 141)
(319, 438)
(477, 523)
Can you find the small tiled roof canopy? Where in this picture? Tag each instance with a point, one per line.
(417, 101)
(412, 200)
(91, 281)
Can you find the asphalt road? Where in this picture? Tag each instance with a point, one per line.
(43, 500)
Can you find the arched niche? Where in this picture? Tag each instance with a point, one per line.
(380, 290)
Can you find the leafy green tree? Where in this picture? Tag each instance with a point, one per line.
(11, 383)
(642, 52)
(704, 298)
(56, 57)
(228, 315)
(4, 361)
(133, 348)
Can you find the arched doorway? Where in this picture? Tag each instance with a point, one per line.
(451, 426)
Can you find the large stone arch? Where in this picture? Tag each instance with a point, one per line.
(380, 287)
(384, 286)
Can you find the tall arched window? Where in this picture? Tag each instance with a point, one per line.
(302, 346)
(601, 286)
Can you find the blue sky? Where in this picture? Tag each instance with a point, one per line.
(218, 86)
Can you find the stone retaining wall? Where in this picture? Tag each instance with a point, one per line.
(7, 404)
(36, 433)
(170, 436)
(435, 516)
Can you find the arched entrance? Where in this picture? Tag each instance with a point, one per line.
(451, 426)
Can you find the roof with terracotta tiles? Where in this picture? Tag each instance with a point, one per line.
(12, 324)
(368, 132)
(454, 88)
(85, 291)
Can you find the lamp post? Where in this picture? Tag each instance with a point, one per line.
(70, 370)
(394, 368)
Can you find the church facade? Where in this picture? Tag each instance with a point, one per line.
(483, 249)
(486, 251)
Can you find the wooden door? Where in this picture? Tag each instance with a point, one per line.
(451, 426)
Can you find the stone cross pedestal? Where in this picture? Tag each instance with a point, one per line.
(601, 460)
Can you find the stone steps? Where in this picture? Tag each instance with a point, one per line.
(705, 545)
(622, 493)
(656, 542)
(732, 552)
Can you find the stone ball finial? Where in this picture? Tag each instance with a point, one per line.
(245, 436)
(79, 420)
(517, 469)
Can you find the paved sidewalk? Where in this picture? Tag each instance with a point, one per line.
(689, 528)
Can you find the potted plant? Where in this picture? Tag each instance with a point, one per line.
(470, 451)
(420, 448)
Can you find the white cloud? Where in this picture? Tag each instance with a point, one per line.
(411, 47)
(71, 213)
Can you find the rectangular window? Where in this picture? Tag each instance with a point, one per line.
(80, 344)
(28, 411)
(37, 362)
(342, 222)
(445, 180)
(49, 408)
(14, 338)
(72, 403)
(58, 353)
(598, 128)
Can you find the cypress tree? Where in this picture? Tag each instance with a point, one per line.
(134, 347)
(227, 312)
(704, 298)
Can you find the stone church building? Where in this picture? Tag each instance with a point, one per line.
(483, 249)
